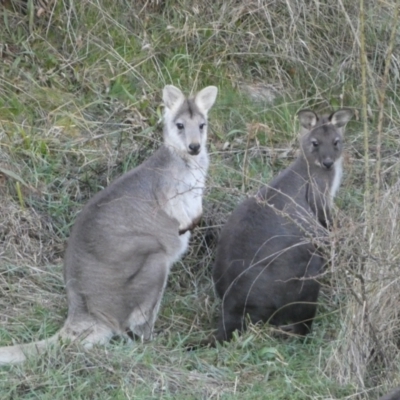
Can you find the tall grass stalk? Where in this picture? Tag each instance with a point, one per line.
(381, 103)
(364, 101)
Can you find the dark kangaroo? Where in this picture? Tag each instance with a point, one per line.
(266, 261)
(393, 395)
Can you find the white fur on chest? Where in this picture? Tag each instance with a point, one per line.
(337, 178)
(184, 197)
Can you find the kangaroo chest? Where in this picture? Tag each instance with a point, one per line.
(184, 197)
(337, 177)
(189, 192)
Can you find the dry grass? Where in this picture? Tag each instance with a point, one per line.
(366, 349)
(80, 86)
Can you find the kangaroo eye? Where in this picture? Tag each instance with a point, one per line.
(179, 126)
(315, 143)
(202, 126)
(336, 142)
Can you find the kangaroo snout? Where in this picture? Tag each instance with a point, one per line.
(327, 163)
(194, 149)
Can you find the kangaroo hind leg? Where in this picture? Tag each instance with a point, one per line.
(146, 295)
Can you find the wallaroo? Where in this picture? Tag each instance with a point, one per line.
(267, 257)
(128, 235)
(393, 395)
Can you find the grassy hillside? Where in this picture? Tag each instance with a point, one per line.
(80, 103)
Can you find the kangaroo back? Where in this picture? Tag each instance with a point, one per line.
(128, 235)
(393, 395)
(266, 263)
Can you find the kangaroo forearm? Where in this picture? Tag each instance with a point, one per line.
(193, 225)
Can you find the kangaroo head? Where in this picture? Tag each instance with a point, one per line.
(322, 137)
(185, 119)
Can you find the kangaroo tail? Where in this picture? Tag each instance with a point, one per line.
(20, 352)
(86, 332)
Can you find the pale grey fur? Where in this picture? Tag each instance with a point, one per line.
(128, 235)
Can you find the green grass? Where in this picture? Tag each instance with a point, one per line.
(80, 103)
(256, 365)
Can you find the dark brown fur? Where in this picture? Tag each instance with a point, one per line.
(266, 263)
(393, 395)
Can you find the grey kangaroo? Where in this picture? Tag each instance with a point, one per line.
(128, 235)
(266, 261)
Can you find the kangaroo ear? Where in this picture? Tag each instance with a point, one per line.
(308, 119)
(172, 97)
(341, 117)
(205, 99)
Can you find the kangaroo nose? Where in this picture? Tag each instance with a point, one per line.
(327, 163)
(194, 148)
